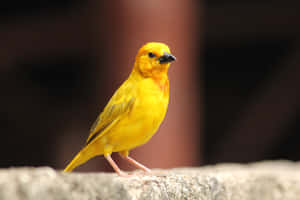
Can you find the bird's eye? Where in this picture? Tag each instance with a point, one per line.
(151, 55)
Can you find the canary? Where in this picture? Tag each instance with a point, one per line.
(134, 112)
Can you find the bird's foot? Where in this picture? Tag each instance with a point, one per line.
(124, 175)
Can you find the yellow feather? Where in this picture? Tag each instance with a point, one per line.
(135, 111)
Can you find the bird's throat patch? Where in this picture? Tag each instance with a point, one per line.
(163, 84)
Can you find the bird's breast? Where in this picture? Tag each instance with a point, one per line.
(153, 103)
(149, 111)
(145, 117)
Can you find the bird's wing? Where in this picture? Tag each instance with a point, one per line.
(119, 105)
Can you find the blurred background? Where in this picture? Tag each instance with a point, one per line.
(234, 86)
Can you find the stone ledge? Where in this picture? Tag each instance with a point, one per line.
(272, 180)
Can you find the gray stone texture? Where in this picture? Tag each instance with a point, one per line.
(272, 180)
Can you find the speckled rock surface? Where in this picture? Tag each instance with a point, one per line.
(277, 180)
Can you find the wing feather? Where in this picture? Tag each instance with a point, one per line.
(117, 107)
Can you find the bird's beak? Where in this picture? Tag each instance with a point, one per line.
(166, 58)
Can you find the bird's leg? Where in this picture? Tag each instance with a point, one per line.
(115, 166)
(124, 155)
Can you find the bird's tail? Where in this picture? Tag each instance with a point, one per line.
(84, 155)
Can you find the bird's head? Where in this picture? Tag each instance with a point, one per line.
(153, 59)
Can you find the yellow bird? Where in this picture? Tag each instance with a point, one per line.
(135, 111)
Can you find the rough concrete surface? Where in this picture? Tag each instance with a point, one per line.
(273, 180)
